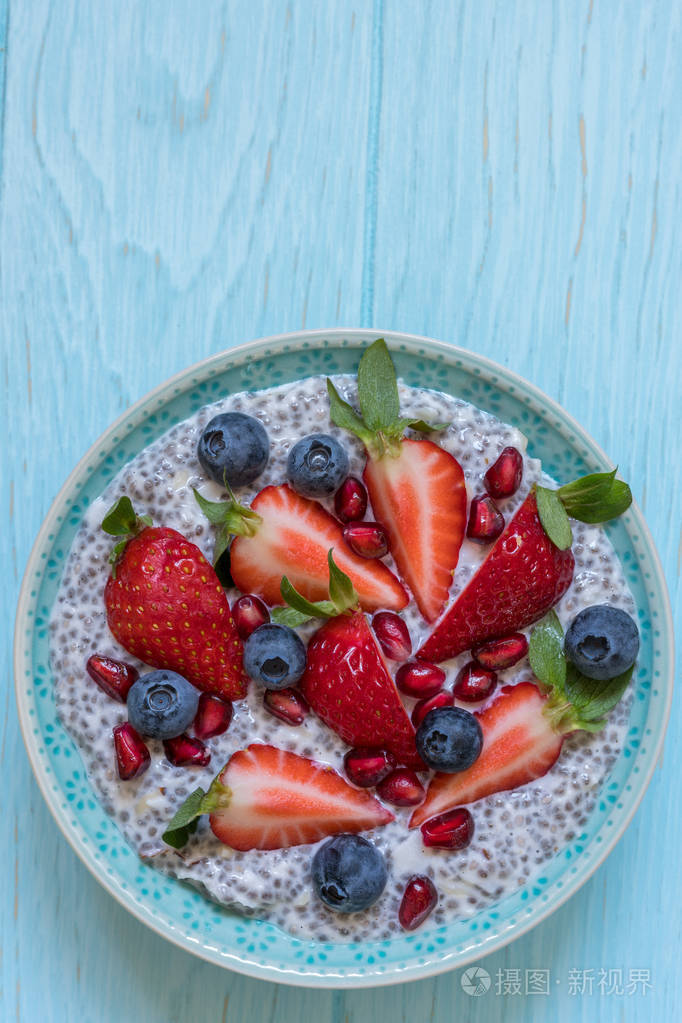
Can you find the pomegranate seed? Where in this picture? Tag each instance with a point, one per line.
(286, 704)
(401, 788)
(184, 751)
(392, 634)
(367, 767)
(474, 683)
(419, 899)
(249, 612)
(114, 677)
(213, 716)
(421, 709)
(132, 756)
(350, 502)
(367, 539)
(486, 521)
(501, 653)
(451, 830)
(503, 478)
(419, 679)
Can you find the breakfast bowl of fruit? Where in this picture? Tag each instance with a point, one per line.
(343, 660)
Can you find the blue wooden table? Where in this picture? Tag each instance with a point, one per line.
(177, 178)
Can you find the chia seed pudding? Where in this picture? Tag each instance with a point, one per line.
(516, 832)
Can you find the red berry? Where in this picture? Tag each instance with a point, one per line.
(503, 478)
(249, 612)
(421, 709)
(184, 751)
(213, 716)
(451, 830)
(288, 705)
(401, 788)
(350, 502)
(419, 899)
(501, 653)
(474, 683)
(367, 767)
(114, 677)
(132, 756)
(419, 679)
(486, 521)
(366, 539)
(393, 635)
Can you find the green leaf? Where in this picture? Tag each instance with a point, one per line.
(594, 487)
(596, 498)
(221, 547)
(341, 590)
(594, 698)
(116, 553)
(554, 518)
(230, 516)
(546, 654)
(289, 616)
(121, 519)
(318, 609)
(421, 425)
(184, 822)
(345, 416)
(214, 511)
(378, 389)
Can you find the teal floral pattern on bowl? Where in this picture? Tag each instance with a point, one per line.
(183, 915)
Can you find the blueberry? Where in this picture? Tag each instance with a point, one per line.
(602, 641)
(449, 739)
(274, 656)
(162, 704)
(235, 446)
(317, 465)
(349, 873)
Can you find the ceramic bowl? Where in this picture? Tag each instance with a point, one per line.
(172, 908)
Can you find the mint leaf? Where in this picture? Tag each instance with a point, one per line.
(594, 487)
(546, 654)
(345, 416)
(378, 389)
(341, 590)
(594, 698)
(554, 518)
(184, 823)
(596, 498)
(121, 519)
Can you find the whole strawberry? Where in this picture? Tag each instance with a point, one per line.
(346, 681)
(166, 606)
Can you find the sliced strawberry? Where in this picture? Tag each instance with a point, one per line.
(165, 605)
(293, 540)
(523, 576)
(519, 745)
(268, 798)
(347, 684)
(419, 496)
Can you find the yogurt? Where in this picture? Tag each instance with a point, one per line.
(515, 832)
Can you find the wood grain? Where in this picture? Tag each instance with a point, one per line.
(177, 178)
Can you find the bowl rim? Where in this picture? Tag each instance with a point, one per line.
(356, 336)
